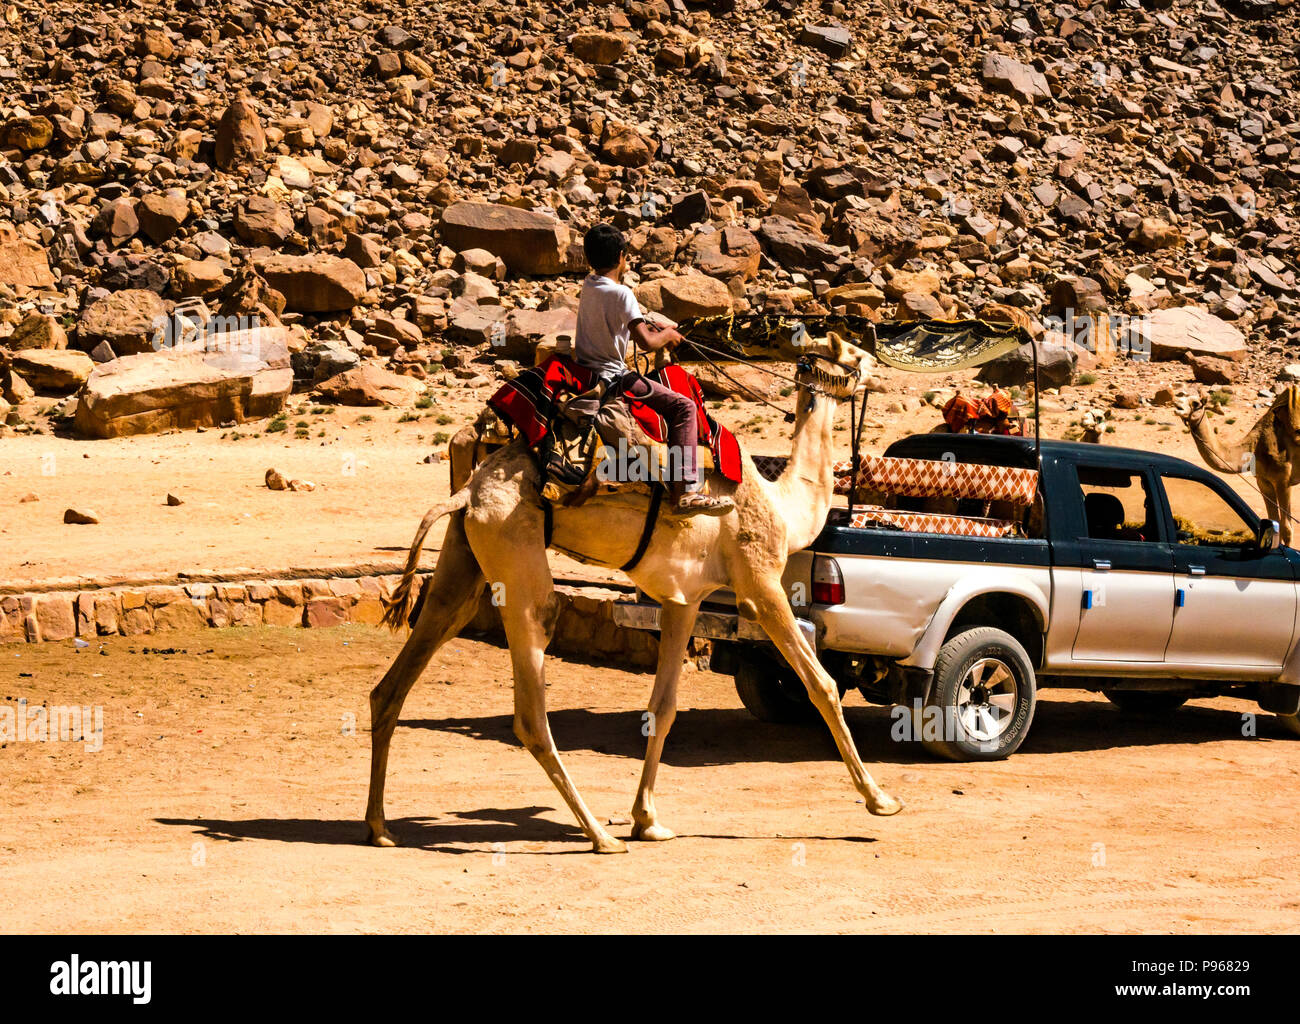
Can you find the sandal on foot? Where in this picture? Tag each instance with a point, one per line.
(697, 504)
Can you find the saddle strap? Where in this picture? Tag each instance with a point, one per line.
(647, 531)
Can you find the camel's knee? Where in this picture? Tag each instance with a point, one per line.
(659, 720)
(548, 614)
(535, 738)
(822, 690)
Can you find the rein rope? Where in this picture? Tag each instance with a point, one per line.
(820, 383)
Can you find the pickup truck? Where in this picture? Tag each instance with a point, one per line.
(1127, 572)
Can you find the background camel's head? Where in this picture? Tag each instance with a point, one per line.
(1189, 409)
(846, 361)
(1288, 406)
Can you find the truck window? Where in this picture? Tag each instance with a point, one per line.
(1117, 505)
(1203, 517)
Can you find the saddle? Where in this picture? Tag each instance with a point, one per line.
(589, 439)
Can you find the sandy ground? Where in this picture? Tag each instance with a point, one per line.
(229, 789)
(373, 485)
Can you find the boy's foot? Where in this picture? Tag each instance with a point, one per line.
(693, 503)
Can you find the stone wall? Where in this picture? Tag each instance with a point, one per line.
(584, 628)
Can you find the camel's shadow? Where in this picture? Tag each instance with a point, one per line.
(713, 736)
(718, 736)
(456, 832)
(475, 831)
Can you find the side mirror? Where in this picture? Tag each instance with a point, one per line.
(1270, 535)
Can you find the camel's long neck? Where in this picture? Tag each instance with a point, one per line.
(805, 490)
(1226, 459)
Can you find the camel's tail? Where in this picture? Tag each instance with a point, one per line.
(397, 609)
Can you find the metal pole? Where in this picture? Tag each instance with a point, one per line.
(1038, 423)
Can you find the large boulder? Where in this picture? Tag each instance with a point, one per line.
(129, 320)
(263, 221)
(315, 283)
(322, 360)
(1152, 234)
(57, 371)
(598, 47)
(370, 385)
(1185, 331)
(526, 329)
(731, 254)
(240, 139)
(527, 241)
(23, 263)
(161, 214)
(27, 133)
(38, 330)
(246, 376)
(694, 295)
(1056, 366)
(794, 246)
(833, 40)
(116, 222)
(1004, 74)
(624, 145)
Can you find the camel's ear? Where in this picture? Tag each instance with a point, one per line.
(835, 344)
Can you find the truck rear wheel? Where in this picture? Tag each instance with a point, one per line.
(1146, 702)
(772, 692)
(1291, 723)
(982, 698)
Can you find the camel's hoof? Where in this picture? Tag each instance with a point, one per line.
(885, 805)
(653, 833)
(383, 838)
(609, 845)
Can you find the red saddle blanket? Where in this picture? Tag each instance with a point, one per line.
(528, 403)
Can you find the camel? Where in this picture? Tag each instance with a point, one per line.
(497, 533)
(1271, 449)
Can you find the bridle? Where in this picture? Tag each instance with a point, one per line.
(838, 386)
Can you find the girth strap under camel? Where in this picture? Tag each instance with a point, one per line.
(647, 531)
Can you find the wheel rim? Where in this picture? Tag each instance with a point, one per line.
(986, 699)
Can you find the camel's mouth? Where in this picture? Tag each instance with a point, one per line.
(839, 386)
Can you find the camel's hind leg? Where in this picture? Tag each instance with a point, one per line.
(778, 621)
(675, 624)
(513, 554)
(449, 604)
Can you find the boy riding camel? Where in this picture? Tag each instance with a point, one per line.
(609, 321)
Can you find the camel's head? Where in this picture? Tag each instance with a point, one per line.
(836, 367)
(1289, 404)
(1191, 409)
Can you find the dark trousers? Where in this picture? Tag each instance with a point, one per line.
(679, 412)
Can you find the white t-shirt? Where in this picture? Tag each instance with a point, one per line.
(606, 312)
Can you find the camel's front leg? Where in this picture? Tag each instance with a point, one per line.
(1284, 510)
(778, 621)
(1277, 501)
(513, 555)
(675, 624)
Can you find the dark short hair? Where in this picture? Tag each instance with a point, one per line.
(603, 245)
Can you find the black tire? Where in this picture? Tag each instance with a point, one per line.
(772, 692)
(985, 691)
(1291, 723)
(1146, 702)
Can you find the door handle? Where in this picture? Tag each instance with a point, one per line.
(1196, 570)
(1102, 564)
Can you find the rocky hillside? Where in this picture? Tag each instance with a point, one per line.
(401, 187)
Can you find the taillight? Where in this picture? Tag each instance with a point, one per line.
(827, 583)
